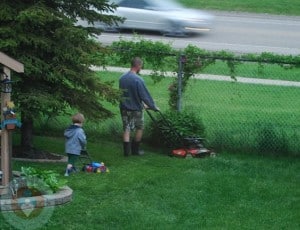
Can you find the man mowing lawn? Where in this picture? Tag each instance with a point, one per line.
(135, 97)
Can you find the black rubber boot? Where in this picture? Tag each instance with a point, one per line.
(126, 148)
(135, 148)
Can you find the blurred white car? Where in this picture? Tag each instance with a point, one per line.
(165, 16)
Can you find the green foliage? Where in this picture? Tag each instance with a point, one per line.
(170, 128)
(282, 60)
(50, 178)
(192, 62)
(155, 54)
(287, 7)
(57, 56)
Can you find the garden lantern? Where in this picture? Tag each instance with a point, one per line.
(6, 84)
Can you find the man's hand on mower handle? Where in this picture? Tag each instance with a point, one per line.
(147, 107)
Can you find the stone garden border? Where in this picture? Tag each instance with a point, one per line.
(64, 195)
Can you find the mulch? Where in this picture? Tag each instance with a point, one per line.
(34, 153)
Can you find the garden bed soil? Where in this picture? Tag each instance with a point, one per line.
(34, 153)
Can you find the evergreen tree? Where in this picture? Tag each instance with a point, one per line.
(57, 56)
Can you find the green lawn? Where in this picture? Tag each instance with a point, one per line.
(230, 191)
(254, 70)
(286, 7)
(246, 116)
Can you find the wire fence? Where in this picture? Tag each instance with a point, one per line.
(245, 105)
(256, 111)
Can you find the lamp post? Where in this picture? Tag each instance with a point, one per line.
(8, 64)
(6, 145)
(182, 61)
(6, 83)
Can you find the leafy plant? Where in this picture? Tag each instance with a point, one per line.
(49, 177)
(173, 126)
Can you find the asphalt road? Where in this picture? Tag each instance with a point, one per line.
(236, 32)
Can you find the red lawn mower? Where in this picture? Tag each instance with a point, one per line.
(181, 146)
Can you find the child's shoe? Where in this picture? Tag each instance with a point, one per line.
(68, 172)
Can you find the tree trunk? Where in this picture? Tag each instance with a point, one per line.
(26, 136)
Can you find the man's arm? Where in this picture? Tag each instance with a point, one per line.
(145, 96)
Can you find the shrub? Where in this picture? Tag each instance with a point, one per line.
(169, 129)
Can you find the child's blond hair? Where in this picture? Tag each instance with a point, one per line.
(78, 118)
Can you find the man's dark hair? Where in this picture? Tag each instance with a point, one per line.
(136, 62)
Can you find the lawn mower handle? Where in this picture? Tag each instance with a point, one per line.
(150, 115)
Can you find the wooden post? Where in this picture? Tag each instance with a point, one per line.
(5, 142)
(8, 64)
